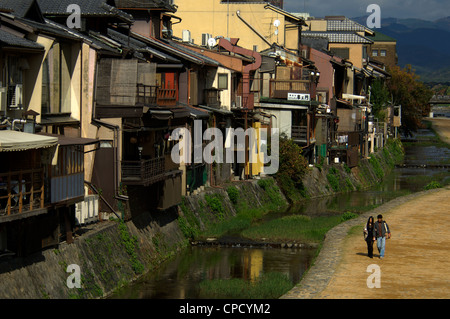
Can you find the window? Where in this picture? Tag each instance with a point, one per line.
(383, 53)
(222, 81)
(343, 53)
(374, 52)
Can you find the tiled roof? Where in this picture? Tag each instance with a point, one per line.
(8, 39)
(139, 46)
(338, 37)
(344, 25)
(88, 8)
(378, 36)
(18, 7)
(146, 4)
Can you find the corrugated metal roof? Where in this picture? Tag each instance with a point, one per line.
(145, 4)
(19, 141)
(66, 140)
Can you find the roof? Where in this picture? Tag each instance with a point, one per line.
(344, 24)
(145, 4)
(89, 8)
(9, 40)
(67, 141)
(139, 46)
(18, 7)
(338, 37)
(176, 49)
(19, 141)
(380, 37)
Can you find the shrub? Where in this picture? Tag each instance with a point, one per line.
(348, 215)
(233, 194)
(433, 185)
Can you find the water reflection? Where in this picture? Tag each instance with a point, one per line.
(179, 277)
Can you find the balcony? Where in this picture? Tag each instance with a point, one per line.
(279, 89)
(21, 191)
(154, 95)
(147, 171)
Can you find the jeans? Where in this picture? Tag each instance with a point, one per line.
(381, 244)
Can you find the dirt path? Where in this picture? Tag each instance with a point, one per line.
(442, 127)
(417, 258)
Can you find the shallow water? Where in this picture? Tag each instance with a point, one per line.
(180, 276)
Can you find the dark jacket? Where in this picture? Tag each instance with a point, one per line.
(384, 229)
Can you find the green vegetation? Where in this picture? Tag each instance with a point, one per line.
(214, 202)
(433, 185)
(379, 172)
(295, 227)
(130, 244)
(333, 178)
(268, 286)
(233, 194)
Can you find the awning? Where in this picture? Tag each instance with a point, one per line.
(197, 113)
(353, 96)
(66, 140)
(158, 114)
(19, 141)
(220, 111)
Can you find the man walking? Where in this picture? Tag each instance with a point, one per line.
(380, 232)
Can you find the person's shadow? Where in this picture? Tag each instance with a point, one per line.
(365, 254)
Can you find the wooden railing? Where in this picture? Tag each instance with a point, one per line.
(166, 97)
(153, 95)
(143, 172)
(280, 88)
(299, 133)
(21, 191)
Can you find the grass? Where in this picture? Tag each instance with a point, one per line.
(296, 227)
(270, 285)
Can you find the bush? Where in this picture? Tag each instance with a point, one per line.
(433, 185)
(348, 215)
(233, 194)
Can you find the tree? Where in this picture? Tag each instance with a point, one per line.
(414, 96)
(379, 97)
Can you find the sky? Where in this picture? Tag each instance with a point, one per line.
(420, 9)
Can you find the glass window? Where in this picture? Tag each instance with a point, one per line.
(222, 81)
(383, 53)
(374, 52)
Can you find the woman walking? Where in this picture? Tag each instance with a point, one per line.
(368, 231)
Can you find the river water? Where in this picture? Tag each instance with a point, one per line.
(179, 277)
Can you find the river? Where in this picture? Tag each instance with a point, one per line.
(179, 277)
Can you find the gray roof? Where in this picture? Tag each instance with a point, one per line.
(139, 46)
(344, 25)
(18, 7)
(338, 37)
(9, 40)
(88, 8)
(146, 4)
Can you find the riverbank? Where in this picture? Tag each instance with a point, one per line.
(112, 254)
(416, 260)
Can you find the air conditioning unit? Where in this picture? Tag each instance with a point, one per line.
(15, 93)
(3, 98)
(186, 36)
(205, 38)
(238, 102)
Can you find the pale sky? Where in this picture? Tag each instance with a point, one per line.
(427, 10)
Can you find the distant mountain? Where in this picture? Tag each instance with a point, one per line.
(423, 44)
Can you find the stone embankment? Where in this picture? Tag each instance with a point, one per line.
(112, 254)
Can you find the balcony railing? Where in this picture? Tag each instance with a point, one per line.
(21, 191)
(143, 172)
(166, 97)
(154, 95)
(279, 89)
(299, 133)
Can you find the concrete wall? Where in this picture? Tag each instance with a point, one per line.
(220, 19)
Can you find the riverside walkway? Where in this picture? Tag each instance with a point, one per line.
(417, 256)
